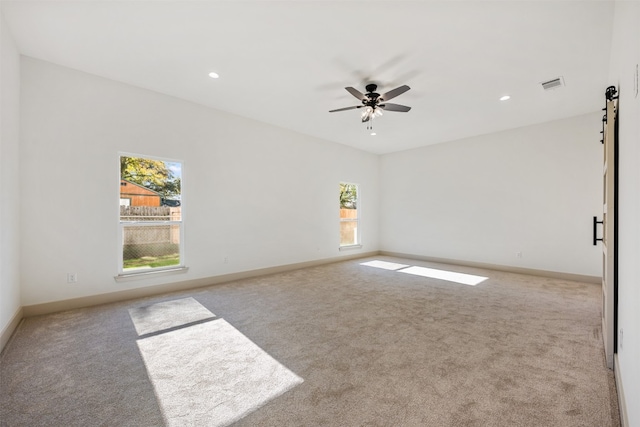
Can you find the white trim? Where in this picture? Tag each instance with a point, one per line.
(144, 156)
(10, 328)
(146, 291)
(146, 273)
(596, 280)
(125, 275)
(347, 247)
(150, 223)
(622, 401)
(357, 219)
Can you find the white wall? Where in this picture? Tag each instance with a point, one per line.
(254, 193)
(532, 190)
(625, 58)
(9, 157)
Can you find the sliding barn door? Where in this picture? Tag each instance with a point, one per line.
(609, 229)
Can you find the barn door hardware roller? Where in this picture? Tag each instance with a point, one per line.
(610, 94)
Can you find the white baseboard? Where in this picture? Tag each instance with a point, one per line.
(57, 306)
(8, 330)
(622, 401)
(506, 268)
(70, 304)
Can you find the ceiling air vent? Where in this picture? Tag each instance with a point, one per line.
(553, 84)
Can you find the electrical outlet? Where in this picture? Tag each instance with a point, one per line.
(72, 277)
(226, 260)
(518, 254)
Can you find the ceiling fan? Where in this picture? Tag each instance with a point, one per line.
(374, 103)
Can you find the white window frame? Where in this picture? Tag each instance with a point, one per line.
(128, 274)
(358, 243)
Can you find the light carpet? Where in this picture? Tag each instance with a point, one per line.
(347, 344)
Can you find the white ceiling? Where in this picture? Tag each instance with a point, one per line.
(287, 62)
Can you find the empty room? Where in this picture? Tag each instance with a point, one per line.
(320, 213)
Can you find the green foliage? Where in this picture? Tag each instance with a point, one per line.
(348, 196)
(152, 174)
(134, 251)
(152, 262)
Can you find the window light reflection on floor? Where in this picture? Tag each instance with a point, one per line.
(450, 276)
(205, 372)
(384, 265)
(167, 315)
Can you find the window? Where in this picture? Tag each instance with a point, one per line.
(150, 222)
(349, 215)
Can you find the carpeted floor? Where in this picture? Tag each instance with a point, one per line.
(375, 342)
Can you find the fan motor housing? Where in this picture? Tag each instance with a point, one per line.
(371, 95)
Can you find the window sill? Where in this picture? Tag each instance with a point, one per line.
(143, 274)
(346, 248)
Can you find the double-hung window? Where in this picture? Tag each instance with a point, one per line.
(349, 234)
(150, 224)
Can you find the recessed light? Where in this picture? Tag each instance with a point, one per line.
(373, 134)
(213, 75)
(504, 98)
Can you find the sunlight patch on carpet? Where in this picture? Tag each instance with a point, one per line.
(210, 374)
(450, 276)
(169, 314)
(384, 265)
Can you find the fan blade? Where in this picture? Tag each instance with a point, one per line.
(395, 92)
(356, 93)
(346, 108)
(394, 107)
